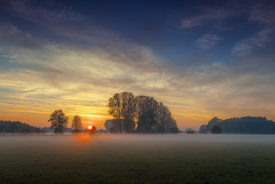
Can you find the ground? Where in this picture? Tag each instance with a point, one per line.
(139, 158)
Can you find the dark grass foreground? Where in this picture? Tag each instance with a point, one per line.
(137, 159)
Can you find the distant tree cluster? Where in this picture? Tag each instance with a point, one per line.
(216, 129)
(243, 125)
(59, 122)
(142, 114)
(18, 127)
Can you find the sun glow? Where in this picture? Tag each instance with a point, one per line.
(90, 127)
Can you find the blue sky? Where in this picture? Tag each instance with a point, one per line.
(201, 58)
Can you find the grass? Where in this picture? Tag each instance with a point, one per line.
(137, 159)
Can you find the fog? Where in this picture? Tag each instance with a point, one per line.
(135, 138)
(135, 158)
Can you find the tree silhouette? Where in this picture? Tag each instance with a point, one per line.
(147, 121)
(160, 129)
(115, 108)
(76, 124)
(129, 111)
(216, 129)
(273, 129)
(13, 126)
(174, 130)
(241, 125)
(203, 129)
(164, 118)
(112, 130)
(163, 121)
(58, 121)
(151, 116)
(1, 125)
(38, 130)
(123, 107)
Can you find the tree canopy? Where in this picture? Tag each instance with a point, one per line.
(123, 107)
(58, 121)
(216, 129)
(77, 124)
(18, 127)
(140, 114)
(243, 125)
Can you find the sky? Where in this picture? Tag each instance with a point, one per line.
(202, 59)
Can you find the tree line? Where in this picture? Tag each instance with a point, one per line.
(18, 127)
(59, 122)
(243, 125)
(140, 114)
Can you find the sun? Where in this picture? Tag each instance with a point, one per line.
(90, 127)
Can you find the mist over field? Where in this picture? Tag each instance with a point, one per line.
(112, 139)
(137, 158)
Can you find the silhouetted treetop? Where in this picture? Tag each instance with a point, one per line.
(216, 129)
(17, 127)
(76, 124)
(123, 107)
(243, 125)
(58, 121)
(139, 114)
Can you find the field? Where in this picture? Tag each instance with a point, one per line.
(137, 159)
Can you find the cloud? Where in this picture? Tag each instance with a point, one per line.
(263, 15)
(208, 41)
(260, 40)
(223, 28)
(9, 31)
(209, 15)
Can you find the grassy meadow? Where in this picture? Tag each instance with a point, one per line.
(138, 158)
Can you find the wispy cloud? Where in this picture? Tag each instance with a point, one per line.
(208, 15)
(260, 40)
(264, 16)
(208, 41)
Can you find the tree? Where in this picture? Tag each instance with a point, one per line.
(1, 125)
(162, 120)
(129, 111)
(58, 121)
(203, 129)
(13, 126)
(151, 116)
(273, 129)
(123, 107)
(241, 125)
(160, 129)
(112, 130)
(147, 114)
(214, 121)
(76, 124)
(38, 130)
(174, 130)
(147, 121)
(216, 129)
(115, 108)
